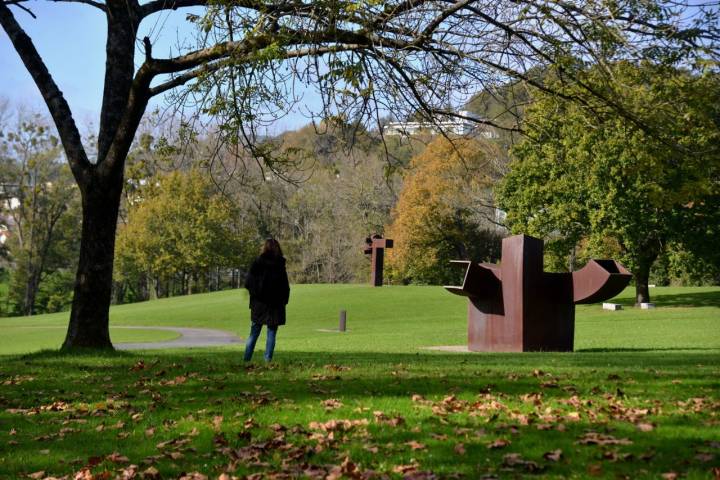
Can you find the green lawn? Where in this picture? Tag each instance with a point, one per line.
(403, 319)
(640, 398)
(28, 337)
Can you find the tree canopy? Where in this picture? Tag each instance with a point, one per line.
(586, 175)
(445, 211)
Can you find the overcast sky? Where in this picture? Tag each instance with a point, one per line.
(71, 39)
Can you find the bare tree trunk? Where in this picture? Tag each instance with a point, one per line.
(89, 318)
(642, 279)
(31, 288)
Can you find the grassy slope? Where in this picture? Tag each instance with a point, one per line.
(401, 319)
(660, 373)
(29, 337)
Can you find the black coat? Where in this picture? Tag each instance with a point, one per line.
(269, 288)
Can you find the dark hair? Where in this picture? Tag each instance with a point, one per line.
(272, 248)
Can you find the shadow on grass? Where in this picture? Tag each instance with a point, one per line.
(670, 349)
(690, 299)
(291, 391)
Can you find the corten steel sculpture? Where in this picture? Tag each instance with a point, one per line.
(516, 307)
(375, 246)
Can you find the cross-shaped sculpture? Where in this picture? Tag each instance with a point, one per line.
(375, 246)
(516, 307)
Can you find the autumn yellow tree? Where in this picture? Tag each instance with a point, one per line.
(445, 211)
(178, 229)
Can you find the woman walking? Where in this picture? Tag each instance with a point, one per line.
(269, 290)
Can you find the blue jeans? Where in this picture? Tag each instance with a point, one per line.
(255, 329)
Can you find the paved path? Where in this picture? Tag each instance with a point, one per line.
(448, 348)
(189, 338)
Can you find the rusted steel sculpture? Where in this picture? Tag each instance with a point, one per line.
(516, 307)
(375, 246)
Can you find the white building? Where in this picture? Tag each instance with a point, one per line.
(452, 125)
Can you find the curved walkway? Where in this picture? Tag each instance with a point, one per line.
(189, 338)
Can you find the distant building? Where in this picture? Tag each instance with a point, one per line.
(453, 125)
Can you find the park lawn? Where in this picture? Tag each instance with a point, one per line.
(640, 397)
(405, 319)
(19, 338)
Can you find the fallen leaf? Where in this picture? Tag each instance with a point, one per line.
(217, 422)
(460, 449)
(193, 476)
(37, 475)
(704, 457)
(595, 469)
(151, 473)
(669, 476)
(594, 438)
(416, 445)
(331, 404)
(553, 456)
(403, 469)
(645, 427)
(115, 457)
(499, 443)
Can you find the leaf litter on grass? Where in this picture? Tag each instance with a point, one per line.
(420, 426)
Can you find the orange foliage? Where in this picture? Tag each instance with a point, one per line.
(439, 208)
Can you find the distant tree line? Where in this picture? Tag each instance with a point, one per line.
(194, 211)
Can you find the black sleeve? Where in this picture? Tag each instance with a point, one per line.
(286, 287)
(253, 278)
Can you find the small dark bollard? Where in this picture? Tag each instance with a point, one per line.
(343, 321)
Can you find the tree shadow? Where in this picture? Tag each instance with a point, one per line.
(171, 387)
(690, 299)
(622, 349)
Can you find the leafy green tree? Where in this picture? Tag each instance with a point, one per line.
(444, 211)
(180, 226)
(42, 206)
(627, 189)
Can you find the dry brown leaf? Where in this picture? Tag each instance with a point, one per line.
(460, 449)
(217, 422)
(416, 445)
(594, 438)
(151, 473)
(645, 427)
(405, 469)
(553, 456)
(595, 469)
(193, 476)
(116, 457)
(499, 443)
(37, 475)
(669, 476)
(331, 404)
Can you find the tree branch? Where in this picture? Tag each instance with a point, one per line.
(56, 103)
(92, 3)
(155, 6)
(221, 63)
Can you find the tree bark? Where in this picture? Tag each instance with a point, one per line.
(89, 318)
(642, 279)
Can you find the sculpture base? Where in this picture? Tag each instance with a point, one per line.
(552, 330)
